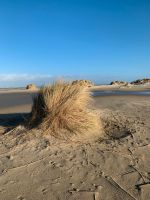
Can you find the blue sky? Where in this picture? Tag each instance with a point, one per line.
(101, 40)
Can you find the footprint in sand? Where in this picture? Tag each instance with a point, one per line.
(20, 198)
(44, 190)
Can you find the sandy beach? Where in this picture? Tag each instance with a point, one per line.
(113, 166)
(75, 100)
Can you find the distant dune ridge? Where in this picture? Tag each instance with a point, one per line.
(121, 83)
(86, 83)
(141, 81)
(136, 82)
(63, 106)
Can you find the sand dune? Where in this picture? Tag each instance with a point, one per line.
(113, 167)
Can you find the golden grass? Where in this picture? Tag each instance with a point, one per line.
(63, 106)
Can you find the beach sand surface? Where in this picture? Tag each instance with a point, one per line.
(114, 165)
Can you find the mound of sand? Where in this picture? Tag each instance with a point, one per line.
(141, 81)
(119, 83)
(113, 167)
(85, 83)
(31, 87)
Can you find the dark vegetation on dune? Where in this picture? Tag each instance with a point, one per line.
(136, 82)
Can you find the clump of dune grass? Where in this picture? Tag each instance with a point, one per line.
(63, 106)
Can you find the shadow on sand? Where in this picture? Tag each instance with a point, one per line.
(12, 120)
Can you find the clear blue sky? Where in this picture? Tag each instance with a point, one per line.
(101, 39)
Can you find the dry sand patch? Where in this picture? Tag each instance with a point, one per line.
(116, 166)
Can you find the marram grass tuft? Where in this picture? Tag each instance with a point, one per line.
(63, 106)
